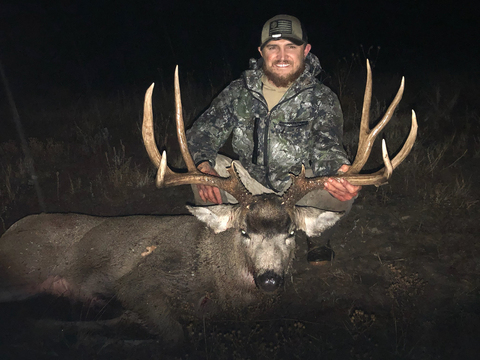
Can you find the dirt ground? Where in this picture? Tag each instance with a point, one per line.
(404, 284)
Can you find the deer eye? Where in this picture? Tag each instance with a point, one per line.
(245, 237)
(290, 237)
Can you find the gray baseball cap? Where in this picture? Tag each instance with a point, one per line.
(283, 27)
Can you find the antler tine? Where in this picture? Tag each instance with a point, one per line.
(182, 139)
(402, 154)
(148, 130)
(367, 136)
(165, 176)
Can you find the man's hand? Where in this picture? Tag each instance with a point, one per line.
(341, 189)
(209, 193)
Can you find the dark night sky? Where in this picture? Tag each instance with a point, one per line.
(87, 45)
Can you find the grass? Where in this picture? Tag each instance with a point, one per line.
(90, 147)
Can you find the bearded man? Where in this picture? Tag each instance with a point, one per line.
(281, 116)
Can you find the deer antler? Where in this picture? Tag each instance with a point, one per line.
(302, 185)
(165, 176)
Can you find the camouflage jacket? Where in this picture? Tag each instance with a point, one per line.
(306, 126)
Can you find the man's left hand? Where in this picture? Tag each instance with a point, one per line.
(340, 188)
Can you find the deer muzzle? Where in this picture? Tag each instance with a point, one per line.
(269, 281)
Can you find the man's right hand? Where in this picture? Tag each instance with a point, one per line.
(209, 193)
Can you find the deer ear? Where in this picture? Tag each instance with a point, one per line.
(217, 217)
(315, 221)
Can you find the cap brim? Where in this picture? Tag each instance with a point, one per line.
(294, 40)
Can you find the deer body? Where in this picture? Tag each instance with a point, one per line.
(140, 260)
(88, 253)
(162, 267)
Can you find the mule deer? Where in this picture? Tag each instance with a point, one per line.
(167, 267)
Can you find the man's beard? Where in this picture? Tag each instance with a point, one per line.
(286, 80)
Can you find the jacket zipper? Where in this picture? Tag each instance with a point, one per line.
(267, 127)
(255, 140)
(266, 145)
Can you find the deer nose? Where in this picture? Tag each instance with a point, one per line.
(269, 281)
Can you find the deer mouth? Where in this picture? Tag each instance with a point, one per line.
(269, 281)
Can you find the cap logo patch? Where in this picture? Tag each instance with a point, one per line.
(280, 26)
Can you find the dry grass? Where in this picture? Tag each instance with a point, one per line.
(91, 147)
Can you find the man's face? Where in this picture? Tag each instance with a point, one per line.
(284, 61)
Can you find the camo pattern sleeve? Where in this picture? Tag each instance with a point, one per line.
(210, 131)
(327, 152)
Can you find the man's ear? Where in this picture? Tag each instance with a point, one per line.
(307, 49)
(260, 51)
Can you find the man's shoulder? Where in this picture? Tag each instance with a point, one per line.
(231, 90)
(237, 83)
(322, 91)
(321, 88)
(248, 80)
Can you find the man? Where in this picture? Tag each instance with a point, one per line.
(281, 117)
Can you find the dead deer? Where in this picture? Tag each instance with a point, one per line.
(166, 268)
